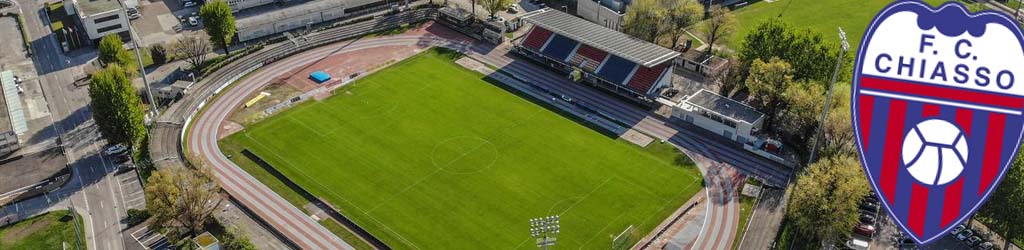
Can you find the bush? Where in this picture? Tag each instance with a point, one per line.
(158, 53)
(136, 216)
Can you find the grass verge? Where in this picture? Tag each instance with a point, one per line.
(47, 231)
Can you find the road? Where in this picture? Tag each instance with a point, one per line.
(95, 190)
(722, 156)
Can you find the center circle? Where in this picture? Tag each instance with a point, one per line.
(464, 155)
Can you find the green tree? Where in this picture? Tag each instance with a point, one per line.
(838, 139)
(182, 198)
(812, 58)
(1001, 212)
(219, 23)
(720, 24)
(767, 83)
(680, 15)
(235, 239)
(804, 102)
(644, 20)
(823, 203)
(116, 108)
(494, 6)
(110, 48)
(159, 54)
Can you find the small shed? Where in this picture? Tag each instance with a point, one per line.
(320, 77)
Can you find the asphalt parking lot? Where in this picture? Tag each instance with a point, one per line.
(160, 21)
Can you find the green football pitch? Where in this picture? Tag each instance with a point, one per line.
(428, 155)
(824, 16)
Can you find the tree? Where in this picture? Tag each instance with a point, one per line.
(719, 26)
(192, 48)
(110, 48)
(729, 78)
(182, 198)
(219, 21)
(812, 58)
(679, 16)
(767, 83)
(159, 54)
(824, 199)
(494, 6)
(999, 212)
(838, 136)
(804, 102)
(644, 20)
(116, 108)
(235, 239)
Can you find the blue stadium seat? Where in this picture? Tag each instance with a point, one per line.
(560, 47)
(616, 69)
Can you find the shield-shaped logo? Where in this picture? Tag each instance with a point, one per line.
(937, 111)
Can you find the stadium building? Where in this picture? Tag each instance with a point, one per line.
(606, 58)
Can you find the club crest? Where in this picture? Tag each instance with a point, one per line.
(938, 95)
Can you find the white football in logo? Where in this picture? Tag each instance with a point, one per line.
(935, 152)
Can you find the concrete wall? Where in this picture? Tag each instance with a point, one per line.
(593, 11)
(237, 5)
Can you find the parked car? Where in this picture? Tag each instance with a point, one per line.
(193, 21)
(857, 244)
(986, 246)
(125, 167)
(865, 230)
(963, 235)
(121, 159)
(867, 219)
(513, 8)
(115, 149)
(869, 206)
(189, 4)
(973, 241)
(906, 244)
(956, 230)
(134, 16)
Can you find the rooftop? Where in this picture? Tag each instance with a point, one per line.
(597, 36)
(725, 106)
(91, 7)
(272, 13)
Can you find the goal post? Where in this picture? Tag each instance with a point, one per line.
(625, 239)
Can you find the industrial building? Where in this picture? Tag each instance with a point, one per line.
(300, 16)
(603, 57)
(12, 116)
(100, 17)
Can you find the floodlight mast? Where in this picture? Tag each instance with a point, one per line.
(545, 230)
(828, 99)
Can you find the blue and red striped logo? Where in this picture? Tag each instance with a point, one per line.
(937, 111)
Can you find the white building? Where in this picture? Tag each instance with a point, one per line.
(608, 13)
(237, 5)
(100, 17)
(720, 115)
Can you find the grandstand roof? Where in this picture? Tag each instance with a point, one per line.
(725, 106)
(597, 36)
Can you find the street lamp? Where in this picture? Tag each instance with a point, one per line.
(545, 230)
(828, 98)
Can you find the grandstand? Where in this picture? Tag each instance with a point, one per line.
(609, 59)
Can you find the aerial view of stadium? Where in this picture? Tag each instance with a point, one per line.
(511, 124)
